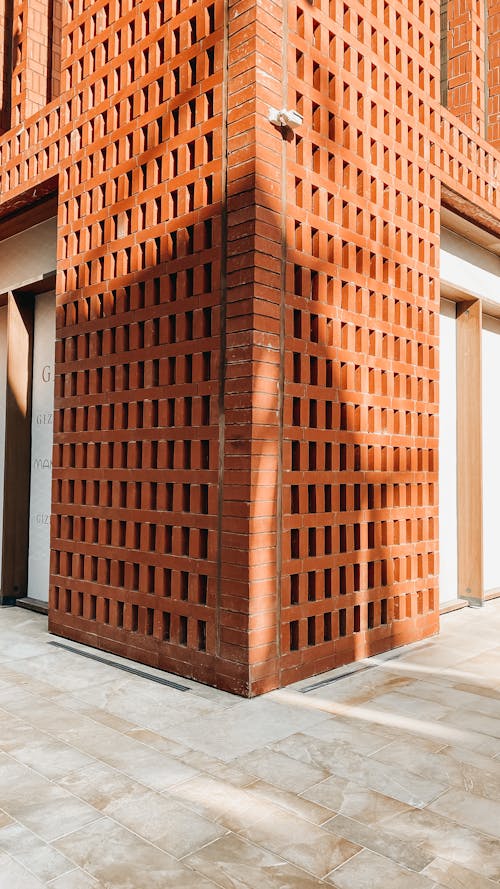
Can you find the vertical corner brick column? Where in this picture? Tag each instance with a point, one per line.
(5, 64)
(467, 62)
(55, 25)
(34, 61)
(18, 62)
(493, 78)
(266, 469)
(248, 616)
(39, 55)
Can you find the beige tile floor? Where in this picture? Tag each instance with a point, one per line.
(387, 777)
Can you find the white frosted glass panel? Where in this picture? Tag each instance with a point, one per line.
(448, 579)
(41, 446)
(491, 452)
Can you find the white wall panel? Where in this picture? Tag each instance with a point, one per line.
(468, 269)
(41, 446)
(491, 452)
(448, 581)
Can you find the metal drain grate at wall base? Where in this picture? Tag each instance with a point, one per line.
(124, 667)
(358, 667)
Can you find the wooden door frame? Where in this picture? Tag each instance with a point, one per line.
(470, 452)
(18, 422)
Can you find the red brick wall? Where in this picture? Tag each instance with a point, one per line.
(251, 404)
(245, 475)
(360, 426)
(30, 58)
(466, 62)
(139, 339)
(5, 28)
(494, 72)
(18, 107)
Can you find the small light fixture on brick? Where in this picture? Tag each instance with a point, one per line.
(284, 117)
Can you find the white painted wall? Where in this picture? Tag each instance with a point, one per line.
(448, 580)
(41, 446)
(491, 452)
(469, 269)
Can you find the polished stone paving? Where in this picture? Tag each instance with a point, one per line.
(387, 777)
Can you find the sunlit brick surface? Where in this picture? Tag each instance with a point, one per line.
(245, 456)
(360, 430)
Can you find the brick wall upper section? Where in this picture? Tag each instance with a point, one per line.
(493, 72)
(467, 62)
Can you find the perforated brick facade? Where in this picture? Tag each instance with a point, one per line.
(245, 478)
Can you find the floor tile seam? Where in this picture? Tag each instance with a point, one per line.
(149, 786)
(444, 688)
(143, 839)
(44, 842)
(342, 742)
(475, 712)
(351, 857)
(262, 848)
(313, 787)
(487, 692)
(9, 715)
(399, 653)
(168, 791)
(432, 885)
(271, 749)
(426, 733)
(458, 784)
(19, 861)
(458, 746)
(74, 870)
(382, 718)
(363, 784)
(413, 694)
(130, 733)
(369, 758)
(470, 793)
(276, 803)
(191, 805)
(96, 683)
(51, 781)
(474, 830)
(134, 669)
(77, 866)
(25, 720)
(67, 873)
(463, 867)
(390, 795)
(415, 671)
(194, 688)
(485, 735)
(142, 785)
(55, 691)
(403, 842)
(55, 739)
(299, 797)
(99, 816)
(240, 834)
(379, 749)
